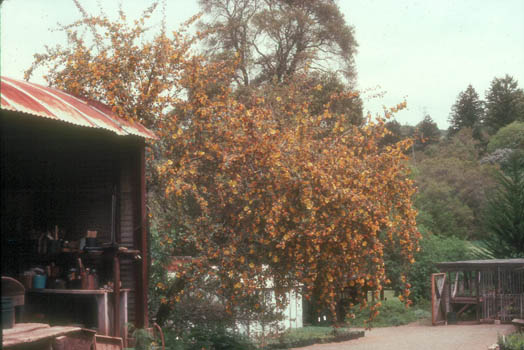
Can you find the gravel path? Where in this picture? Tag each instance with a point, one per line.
(423, 337)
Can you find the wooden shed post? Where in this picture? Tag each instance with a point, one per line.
(497, 289)
(448, 299)
(477, 285)
(142, 312)
(116, 296)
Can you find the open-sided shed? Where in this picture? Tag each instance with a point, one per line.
(495, 288)
(70, 166)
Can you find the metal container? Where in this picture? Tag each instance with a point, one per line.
(39, 281)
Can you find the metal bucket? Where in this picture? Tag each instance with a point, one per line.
(39, 281)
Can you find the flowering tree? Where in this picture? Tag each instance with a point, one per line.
(259, 190)
(264, 199)
(119, 64)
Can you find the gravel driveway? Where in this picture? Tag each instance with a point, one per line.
(423, 337)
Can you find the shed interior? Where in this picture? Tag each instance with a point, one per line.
(60, 181)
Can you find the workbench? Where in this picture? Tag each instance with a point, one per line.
(103, 301)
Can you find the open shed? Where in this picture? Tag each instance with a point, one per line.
(73, 204)
(495, 288)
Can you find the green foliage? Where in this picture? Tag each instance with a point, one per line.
(467, 112)
(162, 286)
(395, 133)
(504, 217)
(215, 338)
(443, 211)
(513, 341)
(346, 103)
(393, 312)
(510, 136)
(504, 103)
(205, 338)
(434, 249)
(143, 339)
(452, 185)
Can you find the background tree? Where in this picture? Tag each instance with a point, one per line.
(278, 43)
(433, 249)
(407, 131)
(394, 133)
(274, 39)
(504, 216)
(452, 185)
(428, 133)
(467, 112)
(504, 103)
(510, 136)
(327, 89)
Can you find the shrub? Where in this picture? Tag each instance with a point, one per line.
(393, 312)
(207, 338)
(143, 338)
(513, 341)
(216, 338)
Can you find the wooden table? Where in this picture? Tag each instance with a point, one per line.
(104, 305)
(42, 336)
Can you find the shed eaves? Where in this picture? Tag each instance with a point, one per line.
(46, 102)
(481, 264)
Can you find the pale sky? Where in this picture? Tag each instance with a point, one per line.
(426, 51)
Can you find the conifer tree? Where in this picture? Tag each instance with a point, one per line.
(467, 112)
(428, 132)
(504, 217)
(504, 103)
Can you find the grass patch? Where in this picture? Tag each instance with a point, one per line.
(393, 313)
(312, 332)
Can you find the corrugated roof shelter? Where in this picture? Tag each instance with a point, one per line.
(494, 287)
(70, 166)
(24, 97)
(481, 264)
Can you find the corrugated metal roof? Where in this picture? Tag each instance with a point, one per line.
(46, 102)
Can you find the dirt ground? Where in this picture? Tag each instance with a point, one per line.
(423, 337)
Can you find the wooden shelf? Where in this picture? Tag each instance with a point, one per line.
(466, 300)
(92, 253)
(73, 291)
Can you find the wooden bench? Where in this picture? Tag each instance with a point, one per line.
(108, 343)
(42, 336)
(519, 323)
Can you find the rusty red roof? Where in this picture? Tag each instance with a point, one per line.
(46, 102)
